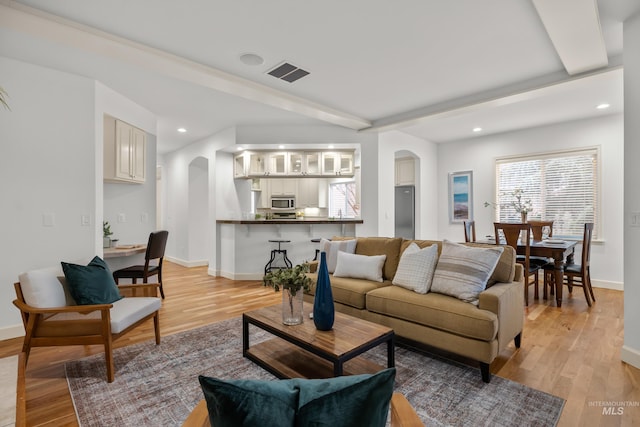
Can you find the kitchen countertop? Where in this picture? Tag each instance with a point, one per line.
(290, 221)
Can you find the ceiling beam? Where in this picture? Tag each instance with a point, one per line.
(574, 29)
(25, 19)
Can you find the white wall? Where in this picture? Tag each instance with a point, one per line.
(47, 165)
(175, 167)
(631, 350)
(479, 155)
(426, 184)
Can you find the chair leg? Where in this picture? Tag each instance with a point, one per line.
(536, 295)
(108, 355)
(156, 327)
(160, 282)
(586, 293)
(526, 291)
(588, 280)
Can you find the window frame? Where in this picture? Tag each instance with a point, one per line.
(588, 150)
(331, 201)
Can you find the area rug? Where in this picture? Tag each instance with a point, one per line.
(8, 383)
(158, 385)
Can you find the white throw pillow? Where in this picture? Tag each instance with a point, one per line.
(333, 247)
(416, 267)
(45, 288)
(360, 266)
(463, 271)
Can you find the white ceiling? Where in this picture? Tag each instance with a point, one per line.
(430, 68)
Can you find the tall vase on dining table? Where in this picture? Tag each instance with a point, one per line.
(523, 217)
(323, 309)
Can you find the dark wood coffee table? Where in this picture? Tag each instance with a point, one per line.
(302, 351)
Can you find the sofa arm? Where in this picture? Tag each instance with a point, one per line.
(519, 273)
(506, 300)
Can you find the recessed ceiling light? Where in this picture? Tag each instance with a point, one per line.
(182, 130)
(281, 146)
(603, 106)
(477, 129)
(331, 146)
(239, 149)
(251, 59)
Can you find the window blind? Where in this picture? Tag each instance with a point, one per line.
(561, 187)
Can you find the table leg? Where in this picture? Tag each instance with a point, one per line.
(337, 368)
(391, 352)
(245, 336)
(559, 279)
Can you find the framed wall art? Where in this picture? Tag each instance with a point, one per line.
(460, 196)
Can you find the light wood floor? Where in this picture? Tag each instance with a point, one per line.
(572, 352)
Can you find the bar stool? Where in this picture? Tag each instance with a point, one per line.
(275, 253)
(315, 257)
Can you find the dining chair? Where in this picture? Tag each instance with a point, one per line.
(576, 274)
(537, 229)
(155, 252)
(512, 233)
(469, 231)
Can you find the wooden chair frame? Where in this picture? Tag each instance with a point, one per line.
(77, 332)
(469, 231)
(155, 251)
(537, 227)
(402, 414)
(512, 233)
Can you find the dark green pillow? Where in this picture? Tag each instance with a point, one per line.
(355, 400)
(91, 284)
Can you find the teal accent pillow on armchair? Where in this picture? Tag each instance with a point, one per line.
(91, 284)
(356, 400)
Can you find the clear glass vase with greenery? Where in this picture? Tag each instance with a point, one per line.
(293, 282)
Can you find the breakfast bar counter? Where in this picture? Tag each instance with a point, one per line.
(247, 248)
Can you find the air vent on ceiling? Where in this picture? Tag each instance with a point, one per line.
(287, 72)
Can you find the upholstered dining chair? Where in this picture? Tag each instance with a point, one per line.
(155, 253)
(511, 233)
(469, 231)
(576, 274)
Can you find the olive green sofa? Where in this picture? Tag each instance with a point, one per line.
(479, 332)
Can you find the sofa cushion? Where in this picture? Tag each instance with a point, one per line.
(421, 244)
(389, 246)
(333, 247)
(506, 267)
(416, 267)
(45, 288)
(353, 400)
(91, 284)
(463, 271)
(434, 310)
(348, 291)
(359, 266)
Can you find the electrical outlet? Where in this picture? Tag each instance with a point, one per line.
(635, 219)
(144, 217)
(85, 220)
(122, 217)
(48, 219)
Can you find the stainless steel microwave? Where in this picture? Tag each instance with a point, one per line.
(282, 203)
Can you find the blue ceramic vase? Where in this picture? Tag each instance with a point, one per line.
(323, 309)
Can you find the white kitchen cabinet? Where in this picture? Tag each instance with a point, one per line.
(308, 193)
(337, 163)
(277, 163)
(282, 186)
(304, 163)
(240, 166)
(257, 164)
(125, 150)
(405, 171)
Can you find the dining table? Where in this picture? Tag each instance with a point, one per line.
(560, 251)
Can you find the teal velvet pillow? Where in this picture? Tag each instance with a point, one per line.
(91, 284)
(356, 400)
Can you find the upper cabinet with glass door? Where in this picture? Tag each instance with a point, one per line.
(337, 163)
(304, 163)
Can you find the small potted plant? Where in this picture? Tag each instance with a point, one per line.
(293, 282)
(106, 234)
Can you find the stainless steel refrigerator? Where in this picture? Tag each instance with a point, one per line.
(405, 211)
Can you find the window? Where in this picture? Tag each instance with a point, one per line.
(562, 187)
(342, 200)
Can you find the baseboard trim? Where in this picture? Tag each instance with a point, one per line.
(630, 356)
(605, 284)
(184, 263)
(234, 276)
(9, 332)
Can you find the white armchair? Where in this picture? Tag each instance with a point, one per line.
(52, 318)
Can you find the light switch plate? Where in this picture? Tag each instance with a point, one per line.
(85, 220)
(122, 217)
(635, 219)
(48, 219)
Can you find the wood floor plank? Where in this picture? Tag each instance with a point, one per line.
(572, 352)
